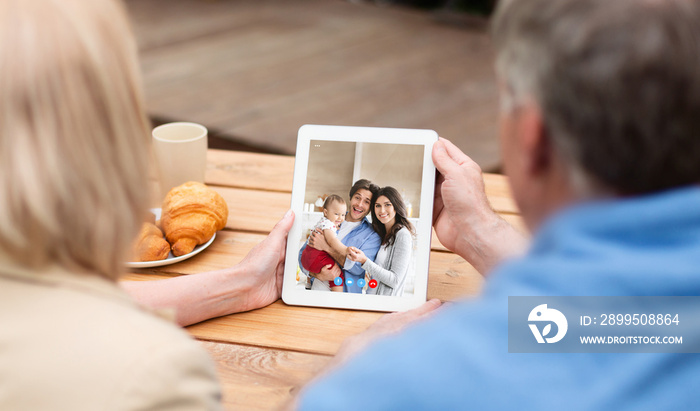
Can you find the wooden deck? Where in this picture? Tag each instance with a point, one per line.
(255, 71)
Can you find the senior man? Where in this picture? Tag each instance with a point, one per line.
(600, 129)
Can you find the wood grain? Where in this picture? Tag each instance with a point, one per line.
(305, 329)
(250, 170)
(254, 378)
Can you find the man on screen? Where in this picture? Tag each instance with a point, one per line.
(355, 231)
(600, 131)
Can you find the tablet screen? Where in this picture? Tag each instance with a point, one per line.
(363, 204)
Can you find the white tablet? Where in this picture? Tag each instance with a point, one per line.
(368, 194)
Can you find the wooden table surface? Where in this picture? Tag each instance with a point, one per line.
(264, 355)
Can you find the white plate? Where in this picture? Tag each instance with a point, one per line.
(171, 258)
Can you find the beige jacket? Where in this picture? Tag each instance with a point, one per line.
(78, 342)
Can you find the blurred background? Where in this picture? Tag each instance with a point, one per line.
(254, 71)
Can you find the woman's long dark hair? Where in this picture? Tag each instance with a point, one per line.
(401, 219)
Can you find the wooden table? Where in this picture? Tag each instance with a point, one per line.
(263, 356)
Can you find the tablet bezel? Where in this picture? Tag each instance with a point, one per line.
(293, 295)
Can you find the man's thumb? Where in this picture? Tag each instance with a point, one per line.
(441, 158)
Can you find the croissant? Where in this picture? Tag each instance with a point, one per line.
(191, 214)
(150, 244)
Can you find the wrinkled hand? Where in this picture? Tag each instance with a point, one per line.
(264, 266)
(328, 272)
(463, 218)
(355, 254)
(460, 194)
(386, 325)
(318, 241)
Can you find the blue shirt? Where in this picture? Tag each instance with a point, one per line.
(458, 359)
(366, 239)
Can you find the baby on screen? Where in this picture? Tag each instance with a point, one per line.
(313, 260)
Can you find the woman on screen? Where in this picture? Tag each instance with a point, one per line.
(390, 221)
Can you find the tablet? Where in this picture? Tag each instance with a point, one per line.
(368, 194)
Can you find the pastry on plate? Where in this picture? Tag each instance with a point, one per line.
(150, 244)
(191, 214)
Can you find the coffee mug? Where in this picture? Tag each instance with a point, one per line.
(180, 151)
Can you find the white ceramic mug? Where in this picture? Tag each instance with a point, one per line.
(180, 151)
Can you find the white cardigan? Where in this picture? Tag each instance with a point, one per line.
(392, 274)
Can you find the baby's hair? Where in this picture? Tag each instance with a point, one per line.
(333, 198)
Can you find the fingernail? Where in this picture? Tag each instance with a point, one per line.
(289, 212)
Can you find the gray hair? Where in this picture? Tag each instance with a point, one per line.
(617, 82)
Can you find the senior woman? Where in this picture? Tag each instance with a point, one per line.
(390, 221)
(73, 161)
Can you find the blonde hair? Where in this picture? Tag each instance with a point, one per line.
(73, 135)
